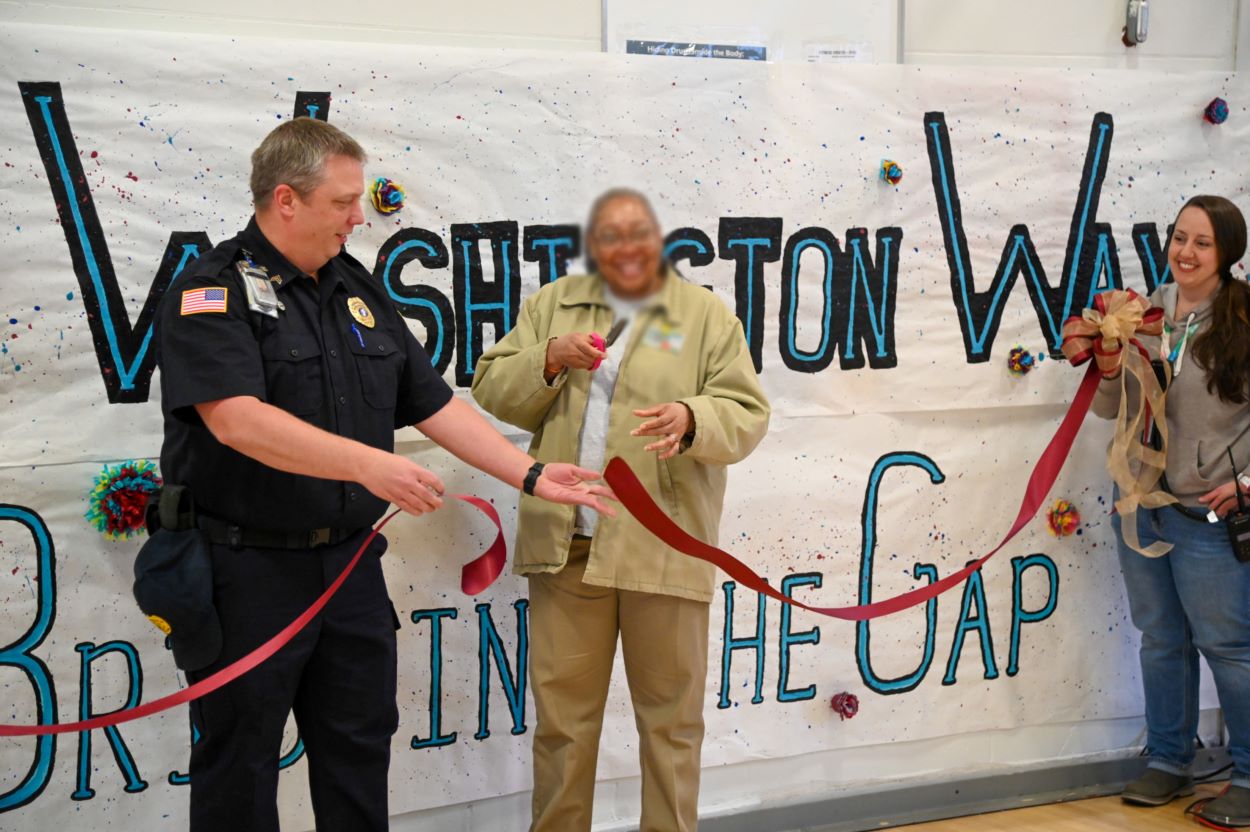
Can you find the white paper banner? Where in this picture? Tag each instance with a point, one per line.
(881, 317)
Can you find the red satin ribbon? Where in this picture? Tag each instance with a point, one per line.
(474, 577)
(634, 497)
(481, 572)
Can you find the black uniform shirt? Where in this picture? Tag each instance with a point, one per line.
(316, 360)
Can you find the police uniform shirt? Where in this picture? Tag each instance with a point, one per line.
(320, 360)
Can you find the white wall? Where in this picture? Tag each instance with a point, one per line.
(551, 24)
(1184, 34)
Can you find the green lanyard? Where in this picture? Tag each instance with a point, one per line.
(1180, 345)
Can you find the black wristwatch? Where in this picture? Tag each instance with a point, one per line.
(531, 478)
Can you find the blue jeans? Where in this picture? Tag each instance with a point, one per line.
(1195, 599)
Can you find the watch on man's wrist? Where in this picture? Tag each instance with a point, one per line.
(531, 478)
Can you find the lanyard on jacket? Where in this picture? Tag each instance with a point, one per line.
(1176, 355)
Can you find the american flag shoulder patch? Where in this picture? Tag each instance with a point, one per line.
(195, 301)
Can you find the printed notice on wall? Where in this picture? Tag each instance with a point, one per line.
(838, 53)
(696, 50)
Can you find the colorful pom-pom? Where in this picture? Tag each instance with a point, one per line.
(386, 195)
(1063, 519)
(1020, 361)
(845, 705)
(1216, 112)
(891, 171)
(119, 498)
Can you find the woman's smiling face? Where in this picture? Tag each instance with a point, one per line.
(626, 245)
(1192, 254)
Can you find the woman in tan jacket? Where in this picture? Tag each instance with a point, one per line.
(673, 392)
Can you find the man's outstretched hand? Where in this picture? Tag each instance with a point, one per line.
(563, 482)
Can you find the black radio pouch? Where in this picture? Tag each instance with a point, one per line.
(171, 509)
(1239, 534)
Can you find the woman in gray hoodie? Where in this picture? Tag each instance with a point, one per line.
(1196, 598)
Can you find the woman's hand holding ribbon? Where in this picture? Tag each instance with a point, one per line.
(1103, 332)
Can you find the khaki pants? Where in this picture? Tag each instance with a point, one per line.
(573, 631)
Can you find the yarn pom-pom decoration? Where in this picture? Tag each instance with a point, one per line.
(386, 195)
(1216, 112)
(119, 498)
(1020, 361)
(845, 705)
(1063, 519)
(891, 171)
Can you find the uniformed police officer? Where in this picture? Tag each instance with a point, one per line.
(285, 371)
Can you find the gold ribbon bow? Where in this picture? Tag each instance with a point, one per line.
(1107, 333)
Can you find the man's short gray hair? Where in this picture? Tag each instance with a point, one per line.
(295, 153)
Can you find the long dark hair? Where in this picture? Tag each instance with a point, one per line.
(1224, 347)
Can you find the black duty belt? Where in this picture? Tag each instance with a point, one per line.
(236, 537)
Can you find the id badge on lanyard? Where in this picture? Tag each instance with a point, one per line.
(261, 296)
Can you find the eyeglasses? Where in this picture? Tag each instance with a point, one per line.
(612, 237)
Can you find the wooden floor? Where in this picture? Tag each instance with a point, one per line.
(1100, 814)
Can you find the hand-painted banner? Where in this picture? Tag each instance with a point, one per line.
(476, 576)
(629, 490)
(879, 316)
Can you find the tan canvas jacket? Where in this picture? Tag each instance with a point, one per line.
(686, 347)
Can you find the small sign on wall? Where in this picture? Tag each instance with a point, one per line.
(838, 53)
(696, 50)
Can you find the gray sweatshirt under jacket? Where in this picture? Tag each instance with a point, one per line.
(1200, 425)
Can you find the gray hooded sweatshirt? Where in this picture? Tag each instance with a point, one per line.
(1200, 425)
